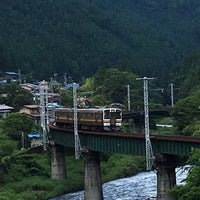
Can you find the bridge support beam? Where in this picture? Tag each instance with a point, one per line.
(92, 182)
(58, 166)
(166, 175)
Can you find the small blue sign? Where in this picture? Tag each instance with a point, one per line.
(34, 135)
(70, 85)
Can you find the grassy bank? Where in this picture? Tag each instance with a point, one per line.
(27, 175)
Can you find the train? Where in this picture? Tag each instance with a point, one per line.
(91, 119)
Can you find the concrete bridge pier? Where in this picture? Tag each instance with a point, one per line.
(166, 175)
(92, 182)
(58, 166)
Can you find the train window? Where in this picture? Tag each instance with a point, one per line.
(106, 114)
(84, 116)
(98, 116)
(91, 115)
(70, 115)
(80, 115)
(118, 114)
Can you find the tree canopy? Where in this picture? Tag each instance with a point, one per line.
(190, 190)
(16, 124)
(14, 95)
(110, 86)
(186, 113)
(73, 37)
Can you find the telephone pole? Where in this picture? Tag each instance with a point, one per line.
(149, 152)
(128, 93)
(19, 76)
(172, 94)
(65, 79)
(44, 118)
(76, 136)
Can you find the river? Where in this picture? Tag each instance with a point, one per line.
(139, 187)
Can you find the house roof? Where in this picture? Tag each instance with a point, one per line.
(32, 106)
(29, 86)
(11, 73)
(4, 108)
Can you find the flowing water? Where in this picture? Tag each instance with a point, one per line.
(139, 187)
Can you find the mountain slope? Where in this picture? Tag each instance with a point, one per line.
(76, 37)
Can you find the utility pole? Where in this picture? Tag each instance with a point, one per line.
(44, 115)
(149, 152)
(172, 94)
(22, 141)
(128, 93)
(76, 136)
(65, 79)
(51, 86)
(19, 74)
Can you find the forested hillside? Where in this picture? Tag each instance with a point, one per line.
(77, 36)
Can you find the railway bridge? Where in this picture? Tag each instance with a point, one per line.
(165, 148)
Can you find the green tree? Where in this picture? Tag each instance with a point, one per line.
(186, 73)
(7, 147)
(191, 190)
(22, 99)
(186, 113)
(16, 124)
(16, 96)
(111, 84)
(88, 86)
(67, 98)
(192, 81)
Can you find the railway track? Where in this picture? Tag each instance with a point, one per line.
(132, 135)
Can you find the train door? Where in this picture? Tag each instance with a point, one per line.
(106, 119)
(112, 118)
(115, 118)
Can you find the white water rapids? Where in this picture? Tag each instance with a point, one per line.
(139, 187)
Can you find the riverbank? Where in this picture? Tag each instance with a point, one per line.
(27, 175)
(138, 187)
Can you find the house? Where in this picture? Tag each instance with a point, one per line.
(5, 110)
(30, 87)
(11, 76)
(32, 111)
(44, 84)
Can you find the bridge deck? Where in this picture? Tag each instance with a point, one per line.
(125, 143)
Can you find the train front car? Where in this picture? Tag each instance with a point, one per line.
(112, 119)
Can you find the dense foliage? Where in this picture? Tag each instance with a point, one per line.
(110, 85)
(186, 75)
(186, 111)
(14, 95)
(109, 42)
(191, 190)
(187, 115)
(26, 174)
(77, 37)
(17, 124)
